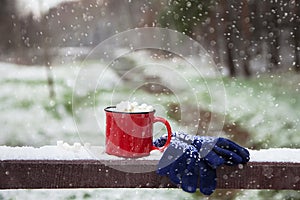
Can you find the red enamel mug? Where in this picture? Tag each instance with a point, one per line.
(130, 134)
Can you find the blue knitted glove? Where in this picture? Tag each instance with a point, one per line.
(181, 162)
(190, 160)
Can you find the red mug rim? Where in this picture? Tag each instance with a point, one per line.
(107, 109)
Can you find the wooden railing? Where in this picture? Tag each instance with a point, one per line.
(34, 174)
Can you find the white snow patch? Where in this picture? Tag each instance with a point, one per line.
(63, 151)
(77, 151)
(126, 106)
(275, 155)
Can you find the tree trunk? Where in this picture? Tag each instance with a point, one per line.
(231, 67)
(50, 80)
(258, 8)
(274, 37)
(46, 40)
(296, 31)
(214, 34)
(229, 45)
(245, 23)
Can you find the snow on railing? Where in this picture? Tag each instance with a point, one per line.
(85, 166)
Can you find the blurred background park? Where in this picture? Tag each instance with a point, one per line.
(254, 46)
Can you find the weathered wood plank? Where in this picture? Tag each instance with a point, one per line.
(35, 174)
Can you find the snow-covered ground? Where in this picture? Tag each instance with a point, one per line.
(266, 106)
(101, 194)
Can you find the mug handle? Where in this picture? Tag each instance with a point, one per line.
(167, 124)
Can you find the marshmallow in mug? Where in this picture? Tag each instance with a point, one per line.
(126, 106)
